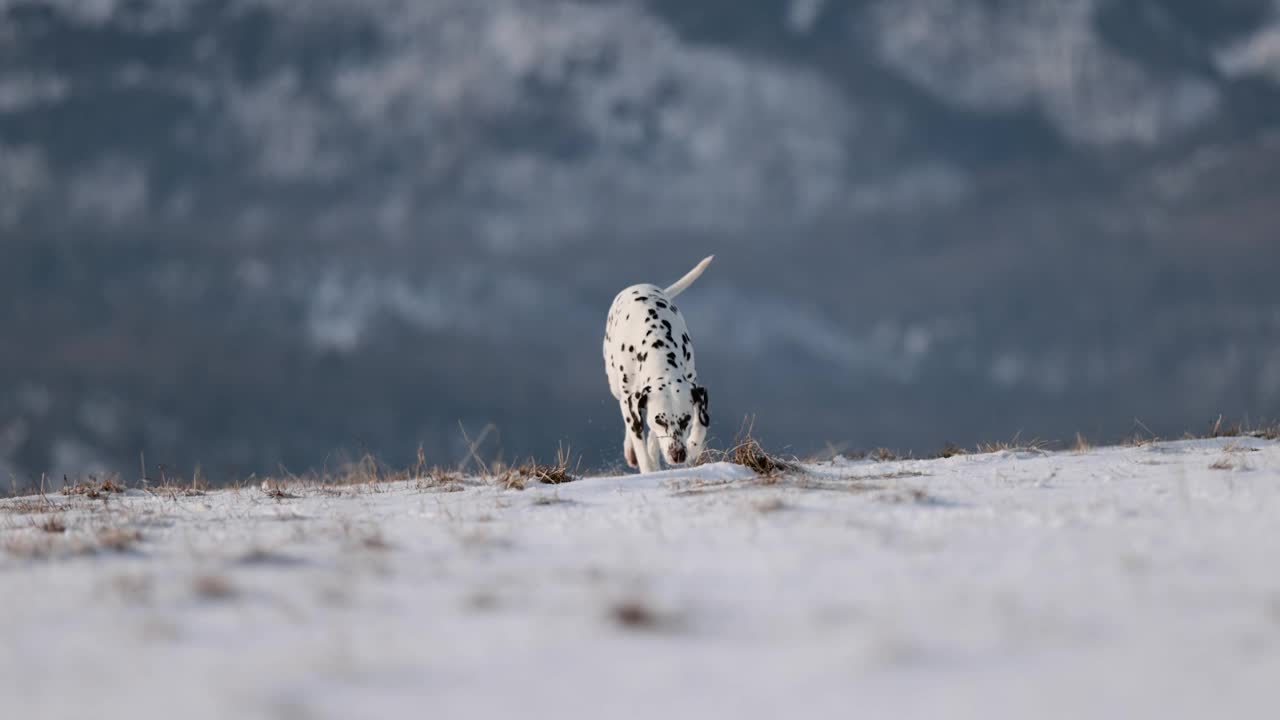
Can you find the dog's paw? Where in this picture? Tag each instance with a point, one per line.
(631, 457)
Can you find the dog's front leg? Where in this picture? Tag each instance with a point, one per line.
(630, 437)
(652, 452)
(644, 447)
(629, 450)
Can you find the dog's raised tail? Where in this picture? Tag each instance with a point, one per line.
(680, 285)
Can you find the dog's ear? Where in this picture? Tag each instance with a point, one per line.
(702, 402)
(637, 403)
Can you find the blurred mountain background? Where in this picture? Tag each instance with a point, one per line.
(254, 233)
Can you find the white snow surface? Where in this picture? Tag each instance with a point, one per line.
(1134, 582)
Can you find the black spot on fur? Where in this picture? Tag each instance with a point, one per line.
(702, 402)
(636, 411)
(661, 304)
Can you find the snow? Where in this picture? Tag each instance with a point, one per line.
(1119, 582)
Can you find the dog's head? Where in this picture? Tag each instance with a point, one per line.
(678, 416)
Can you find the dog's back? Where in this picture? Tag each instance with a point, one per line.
(634, 318)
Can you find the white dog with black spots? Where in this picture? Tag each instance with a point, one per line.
(648, 355)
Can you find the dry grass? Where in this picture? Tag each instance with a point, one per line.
(766, 506)
(118, 539)
(515, 477)
(1082, 444)
(909, 496)
(365, 471)
(275, 489)
(1015, 444)
(844, 484)
(1221, 429)
(641, 616)
(31, 506)
(41, 547)
(263, 556)
(702, 487)
(895, 475)
(883, 454)
(508, 478)
(213, 587)
(174, 487)
(748, 452)
(441, 480)
(175, 491)
(93, 487)
(551, 500)
(1223, 463)
(52, 524)
(373, 540)
(949, 450)
(56, 544)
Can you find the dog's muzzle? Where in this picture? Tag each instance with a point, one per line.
(678, 455)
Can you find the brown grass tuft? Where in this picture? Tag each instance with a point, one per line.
(32, 548)
(637, 615)
(375, 540)
(1082, 444)
(1222, 463)
(909, 496)
(508, 477)
(1016, 444)
(750, 454)
(440, 479)
(94, 488)
(52, 524)
(949, 450)
(176, 487)
(276, 489)
(551, 500)
(31, 506)
(515, 477)
(1220, 429)
(769, 505)
(213, 587)
(883, 455)
(118, 539)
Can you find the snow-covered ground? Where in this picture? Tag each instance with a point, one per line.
(1120, 582)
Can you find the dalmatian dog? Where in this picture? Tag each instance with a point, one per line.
(648, 356)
